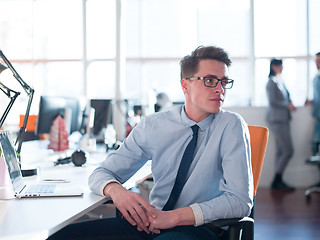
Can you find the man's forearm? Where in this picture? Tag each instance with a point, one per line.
(185, 216)
(170, 219)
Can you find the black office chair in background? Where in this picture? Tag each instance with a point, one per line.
(314, 160)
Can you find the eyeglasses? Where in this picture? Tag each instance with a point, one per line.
(213, 81)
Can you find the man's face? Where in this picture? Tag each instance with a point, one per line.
(201, 101)
(318, 61)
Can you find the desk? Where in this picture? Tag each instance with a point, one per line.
(38, 218)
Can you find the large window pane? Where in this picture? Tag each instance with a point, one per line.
(225, 26)
(261, 79)
(16, 28)
(54, 79)
(57, 29)
(280, 28)
(168, 27)
(59, 79)
(314, 9)
(294, 74)
(133, 83)
(164, 77)
(101, 80)
(158, 34)
(133, 28)
(240, 94)
(101, 29)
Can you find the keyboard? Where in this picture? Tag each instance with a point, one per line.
(41, 188)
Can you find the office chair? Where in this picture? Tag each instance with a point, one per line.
(315, 160)
(238, 228)
(243, 228)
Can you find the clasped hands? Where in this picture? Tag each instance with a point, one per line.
(139, 212)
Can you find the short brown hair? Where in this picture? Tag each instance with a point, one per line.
(189, 64)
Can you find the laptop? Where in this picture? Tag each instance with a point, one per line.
(22, 190)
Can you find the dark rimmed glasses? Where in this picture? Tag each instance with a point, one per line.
(212, 82)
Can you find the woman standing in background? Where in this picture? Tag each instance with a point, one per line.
(278, 117)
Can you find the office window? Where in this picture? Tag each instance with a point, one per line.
(217, 26)
(157, 37)
(164, 76)
(101, 28)
(101, 80)
(280, 28)
(314, 20)
(165, 34)
(261, 79)
(16, 28)
(225, 26)
(294, 73)
(44, 40)
(240, 93)
(101, 48)
(167, 31)
(133, 76)
(51, 42)
(65, 76)
(57, 29)
(280, 31)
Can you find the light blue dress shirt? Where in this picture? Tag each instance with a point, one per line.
(219, 184)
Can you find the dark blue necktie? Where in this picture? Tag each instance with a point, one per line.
(183, 170)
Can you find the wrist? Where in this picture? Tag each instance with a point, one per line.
(183, 216)
(176, 218)
(110, 188)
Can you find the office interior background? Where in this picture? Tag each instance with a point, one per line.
(130, 49)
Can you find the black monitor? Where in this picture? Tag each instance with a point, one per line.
(137, 110)
(102, 115)
(50, 107)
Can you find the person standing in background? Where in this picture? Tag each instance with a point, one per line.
(316, 107)
(315, 143)
(163, 102)
(278, 117)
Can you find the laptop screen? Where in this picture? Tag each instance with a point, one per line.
(10, 157)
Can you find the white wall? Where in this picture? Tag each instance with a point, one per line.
(297, 173)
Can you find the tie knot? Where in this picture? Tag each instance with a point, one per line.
(195, 129)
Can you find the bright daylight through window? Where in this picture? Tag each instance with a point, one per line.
(71, 50)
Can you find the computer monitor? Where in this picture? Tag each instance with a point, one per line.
(102, 114)
(51, 106)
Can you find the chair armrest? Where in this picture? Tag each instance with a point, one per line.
(231, 221)
(235, 225)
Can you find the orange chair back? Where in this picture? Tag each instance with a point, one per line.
(31, 124)
(258, 142)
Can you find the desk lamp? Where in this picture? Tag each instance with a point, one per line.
(9, 92)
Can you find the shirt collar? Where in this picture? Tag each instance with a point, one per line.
(204, 124)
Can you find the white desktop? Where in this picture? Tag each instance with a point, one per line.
(38, 218)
